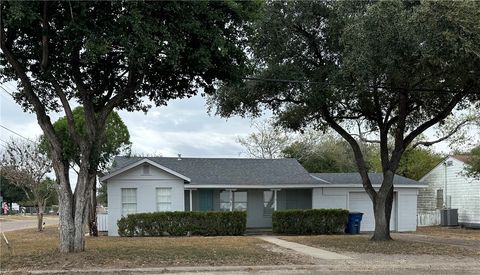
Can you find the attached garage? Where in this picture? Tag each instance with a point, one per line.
(344, 190)
(361, 202)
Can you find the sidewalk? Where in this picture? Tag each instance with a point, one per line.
(305, 249)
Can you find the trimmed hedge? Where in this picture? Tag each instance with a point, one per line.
(183, 223)
(309, 222)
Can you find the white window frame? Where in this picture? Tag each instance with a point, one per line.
(164, 202)
(224, 203)
(235, 201)
(132, 201)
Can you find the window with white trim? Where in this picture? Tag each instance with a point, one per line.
(129, 201)
(240, 201)
(164, 199)
(225, 200)
(439, 198)
(236, 200)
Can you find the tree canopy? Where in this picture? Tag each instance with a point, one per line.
(394, 69)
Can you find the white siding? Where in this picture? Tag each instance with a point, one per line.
(330, 198)
(404, 213)
(463, 194)
(146, 192)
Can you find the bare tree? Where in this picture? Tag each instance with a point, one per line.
(25, 166)
(267, 142)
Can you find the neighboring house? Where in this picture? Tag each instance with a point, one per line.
(448, 186)
(257, 186)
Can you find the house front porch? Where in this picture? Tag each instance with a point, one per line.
(258, 203)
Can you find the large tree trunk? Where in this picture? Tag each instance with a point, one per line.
(92, 207)
(66, 226)
(382, 219)
(82, 200)
(382, 209)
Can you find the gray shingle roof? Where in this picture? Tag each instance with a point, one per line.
(231, 171)
(354, 178)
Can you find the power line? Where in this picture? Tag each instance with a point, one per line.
(327, 84)
(5, 90)
(16, 133)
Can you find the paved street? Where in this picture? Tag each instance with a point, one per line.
(16, 223)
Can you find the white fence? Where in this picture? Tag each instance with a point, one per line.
(102, 220)
(428, 218)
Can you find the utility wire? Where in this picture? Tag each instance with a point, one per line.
(5, 90)
(16, 133)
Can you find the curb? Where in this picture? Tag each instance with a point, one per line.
(166, 270)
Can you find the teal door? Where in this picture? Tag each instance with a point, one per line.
(206, 199)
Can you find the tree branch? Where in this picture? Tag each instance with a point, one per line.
(445, 137)
(311, 41)
(362, 167)
(68, 112)
(437, 118)
(44, 62)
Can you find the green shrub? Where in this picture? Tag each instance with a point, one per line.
(183, 223)
(309, 222)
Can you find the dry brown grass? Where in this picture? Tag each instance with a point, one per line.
(448, 232)
(34, 250)
(363, 244)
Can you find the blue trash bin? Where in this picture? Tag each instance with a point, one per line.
(354, 221)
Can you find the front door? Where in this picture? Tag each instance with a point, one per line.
(206, 199)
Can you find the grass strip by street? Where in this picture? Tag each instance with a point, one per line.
(33, 250)
(363, 244)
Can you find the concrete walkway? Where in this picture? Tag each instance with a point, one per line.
(304, 249)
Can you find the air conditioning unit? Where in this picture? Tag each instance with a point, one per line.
(448, 217)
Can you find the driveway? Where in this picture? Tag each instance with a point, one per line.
(16, 223)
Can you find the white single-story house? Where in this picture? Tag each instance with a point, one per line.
(449, 187)
(257, 186)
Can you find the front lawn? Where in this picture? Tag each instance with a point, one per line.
(362, 244)
(448, 232)
(32, 250)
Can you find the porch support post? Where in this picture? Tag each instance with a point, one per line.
(231, 200)
(191, 200)
(275, 199)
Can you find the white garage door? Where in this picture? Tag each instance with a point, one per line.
(360, 202)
